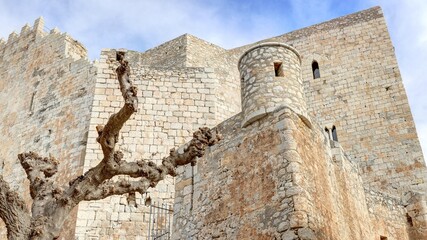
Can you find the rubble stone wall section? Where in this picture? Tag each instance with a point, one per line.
(388, 216)
(270, 78)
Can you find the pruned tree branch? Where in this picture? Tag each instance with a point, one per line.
(149, 172)
(109, 188)
(109, 134)
(51, 204)
(95, 183)
(39, 171)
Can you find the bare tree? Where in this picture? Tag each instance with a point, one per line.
(52, 203)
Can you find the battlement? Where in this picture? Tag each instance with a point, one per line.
(28, 36)
(26, 30)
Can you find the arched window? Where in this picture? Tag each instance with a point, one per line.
(334, 134)
(327, 132)
(315, 68)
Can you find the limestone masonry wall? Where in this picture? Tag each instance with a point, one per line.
(277, 173)
(361, 93)
(239, 182)
(46, 90)
(281, 171)
(300, 188)
(171, 54)
(204, 54)
(336, 205)
(174, 102)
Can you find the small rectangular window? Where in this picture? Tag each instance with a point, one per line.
(278, 70)
(383, 238)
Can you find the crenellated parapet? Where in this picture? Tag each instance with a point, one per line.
(39, 25)
(13, 37)
(2, 43)
(38, 36)
(26, 31)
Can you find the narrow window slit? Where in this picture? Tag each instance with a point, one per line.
(278, 69)
(409, 220)
(327, 132)
(334, 134)
(32, 102)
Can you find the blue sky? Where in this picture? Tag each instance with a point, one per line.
(140, 25)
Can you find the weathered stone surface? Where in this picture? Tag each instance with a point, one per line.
(260, 180)
(283, 226)
(306, 234)
(298, 219)
(263, 90)
(289, 235)
(46, 89)
(322, 193)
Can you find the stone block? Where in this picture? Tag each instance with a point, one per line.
(298, 219)
(289, 235)
(306, 234)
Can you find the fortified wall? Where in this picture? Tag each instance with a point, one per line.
(319, 138)
(360, 91)
(352, 169)
(46, 90)
(174, 102)
(281, 170)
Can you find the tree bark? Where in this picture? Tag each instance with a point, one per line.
(52, 204)
(14, 213)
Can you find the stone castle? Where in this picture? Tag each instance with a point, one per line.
(319, 140)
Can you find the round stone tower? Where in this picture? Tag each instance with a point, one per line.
(270, 76)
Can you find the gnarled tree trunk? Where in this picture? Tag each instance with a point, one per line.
(52, 203)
